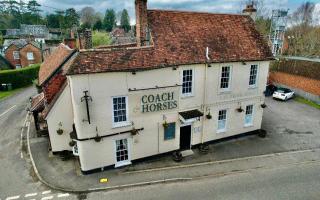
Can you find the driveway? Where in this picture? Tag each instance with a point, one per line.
(292, 125)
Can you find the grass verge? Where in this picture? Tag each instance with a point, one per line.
(307, 102)
(4, 94)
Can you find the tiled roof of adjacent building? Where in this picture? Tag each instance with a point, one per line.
(181, 38)
(54, 61)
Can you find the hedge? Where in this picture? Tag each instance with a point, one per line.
(20, 77)
(297, 67)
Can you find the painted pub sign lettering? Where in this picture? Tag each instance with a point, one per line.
(158, 102)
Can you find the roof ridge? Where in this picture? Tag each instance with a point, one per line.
(116, 49)
(194, 12)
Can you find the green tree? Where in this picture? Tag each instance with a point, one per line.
(33, 11)
(12, 7)
(85, 25)
(71, 18)
(263, 25)
(125, 20)
(53, 21)
(60, 16)
(109, 21)
(1, 39)
(100, 38)
(98, 25)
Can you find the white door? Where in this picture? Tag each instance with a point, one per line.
(122, 153)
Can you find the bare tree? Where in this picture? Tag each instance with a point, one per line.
(303, 15)
(88, 16)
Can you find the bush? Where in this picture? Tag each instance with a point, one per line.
(20, 77)
(100, 38)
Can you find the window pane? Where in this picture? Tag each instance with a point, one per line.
(187, 82)
(225, 77)
(249, 115)
(253, 75)
(122, 150)
(222, 119)
(119, 109)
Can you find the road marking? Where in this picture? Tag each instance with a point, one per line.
(30, 195)
(5, 112)
(46, 198)
(14, 197)
(63, 195)
(46, 192)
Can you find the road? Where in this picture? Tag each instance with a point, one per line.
(292, 182)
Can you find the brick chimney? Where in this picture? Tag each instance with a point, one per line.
(250, 11)
(141, 22)
(85, 39)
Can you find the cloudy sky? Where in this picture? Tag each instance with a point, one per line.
(220, 6)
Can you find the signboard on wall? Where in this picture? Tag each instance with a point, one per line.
(159, 102)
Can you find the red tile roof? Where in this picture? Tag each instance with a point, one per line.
(182, 38)
(54, 62)
(37, 102)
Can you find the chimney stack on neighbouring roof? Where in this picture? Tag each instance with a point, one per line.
(250, 11)
(85, 39)
(141, 22)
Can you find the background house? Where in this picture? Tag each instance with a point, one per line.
(21, 53)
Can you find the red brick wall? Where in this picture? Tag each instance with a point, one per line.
(51, 88)
(9, 55)
(23, 61)
(141, 21)
(299, 82)
(36, 55)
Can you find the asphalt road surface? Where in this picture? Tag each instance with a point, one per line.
(286, 183)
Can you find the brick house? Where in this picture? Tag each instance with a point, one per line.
(21, 53)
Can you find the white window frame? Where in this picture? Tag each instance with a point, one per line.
(225, 123)
(230, 79)
(256, 78)
(193, 83)
(123, 123)
(29, 56)
(124, 162)
(245, 116)
(18, 66)
(16, 55)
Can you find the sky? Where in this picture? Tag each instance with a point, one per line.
(214, 6)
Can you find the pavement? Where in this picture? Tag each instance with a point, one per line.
(293, 137)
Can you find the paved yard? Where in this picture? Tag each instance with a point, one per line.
(290, 126)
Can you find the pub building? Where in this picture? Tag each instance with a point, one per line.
(191, 78)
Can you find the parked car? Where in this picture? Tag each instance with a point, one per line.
(283, 94)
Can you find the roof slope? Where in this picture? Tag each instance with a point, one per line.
(60, 55)
(182, 38)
